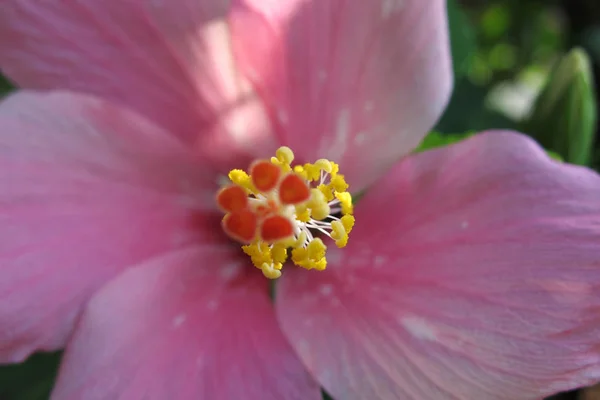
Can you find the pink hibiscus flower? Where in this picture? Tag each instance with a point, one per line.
(472, 272)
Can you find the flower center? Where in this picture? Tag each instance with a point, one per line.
(274, 208)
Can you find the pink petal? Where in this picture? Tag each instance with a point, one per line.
(359, 82)
(169, 60)
(86, 190)
(473, 273)
(197, 324)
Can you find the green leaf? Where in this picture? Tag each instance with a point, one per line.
(462, 38)
(554, 156)
(5, 85)
(435, 139)
(30, 380)
(564, 115)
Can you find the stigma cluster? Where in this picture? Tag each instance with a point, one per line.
(277, 210)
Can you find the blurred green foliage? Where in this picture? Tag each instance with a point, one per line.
(564, 116)
(436, 139)
(5, 86)
(462, 38)
(513, 41)
(504, 51)
(31, 380)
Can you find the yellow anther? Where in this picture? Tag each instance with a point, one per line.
(324, 165)
(279, 253)
(348, 223)
(339, 234)
(285, 155)
(321, 212)
(310, 258)
(238, 176)
(321, 264)
(268, 259)
(302, 213)
(284, 167)
(271, 271)
(241, 178)
(339, 183)
(346, 201)
(259, 253)
(317, 199)
(299, 169)
(335, 168)
(299, 255)
(326, 190)
(313, 173)
(316, 249)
